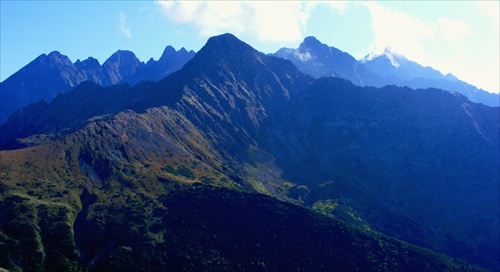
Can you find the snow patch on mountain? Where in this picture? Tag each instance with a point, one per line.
(387, 53)
(307, 56)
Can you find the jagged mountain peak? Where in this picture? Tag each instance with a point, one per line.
(89, 63)
(226, 37)
(226, 57)
(309, 49)
(44, 58)
(226, 44)
(320, 60)
(49, 74)
(311, 41)
(388, 54)
(227, 53)
(170, 61)
(54, 54)
(41, 56)
(390, 58)
(314, 46)
(451, 77)
(58, 59)
(168, 52)
(119, 66)
(391, 64)
(54, 60)
(121, 54)
(150, 61)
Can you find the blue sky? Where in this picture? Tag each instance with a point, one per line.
(459, 37)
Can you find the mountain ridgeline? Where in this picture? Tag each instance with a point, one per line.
(207, 168)
(48, 75)
(387, 68)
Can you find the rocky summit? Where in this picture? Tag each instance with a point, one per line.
(378, 69)
(240, 161)
(49, 75)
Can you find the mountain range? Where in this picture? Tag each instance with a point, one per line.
(238, 160)
(379, 70)
(48, 75)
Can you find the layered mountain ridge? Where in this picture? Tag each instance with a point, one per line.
(386, 68)
(48, 75)
(418, 165)
(312, 57)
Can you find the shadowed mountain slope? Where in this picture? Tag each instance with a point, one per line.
(418, 165)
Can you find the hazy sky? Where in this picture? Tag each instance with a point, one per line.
(459, 37)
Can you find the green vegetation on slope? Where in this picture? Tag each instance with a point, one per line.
(196, 227)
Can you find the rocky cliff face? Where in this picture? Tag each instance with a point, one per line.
(418, 165)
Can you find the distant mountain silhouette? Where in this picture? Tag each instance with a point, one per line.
(169, 62)
(418, 165)
(320, 60)
(49, 75)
